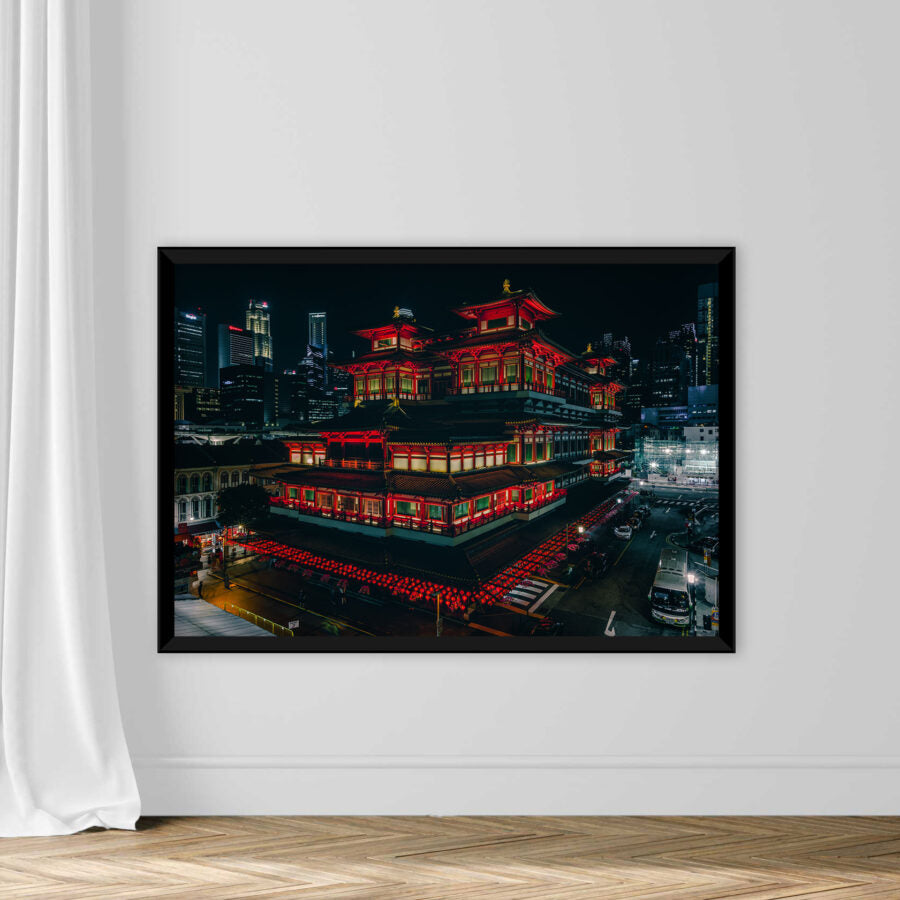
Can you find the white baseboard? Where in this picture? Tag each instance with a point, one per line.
(519, 785)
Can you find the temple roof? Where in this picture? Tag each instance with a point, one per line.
(533, 335)
(523, 299)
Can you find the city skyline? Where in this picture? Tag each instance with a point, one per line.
(641, 303)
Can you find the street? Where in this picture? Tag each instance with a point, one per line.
(624, 586)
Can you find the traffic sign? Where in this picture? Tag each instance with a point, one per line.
(715, 615)
(294, 623)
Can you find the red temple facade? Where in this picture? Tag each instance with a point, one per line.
(453, 434)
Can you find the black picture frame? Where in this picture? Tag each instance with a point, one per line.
(168, 258)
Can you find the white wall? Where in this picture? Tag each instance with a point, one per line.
(767, 125)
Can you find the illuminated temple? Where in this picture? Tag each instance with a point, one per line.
(453, 434)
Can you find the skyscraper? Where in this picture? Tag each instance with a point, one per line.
(258, 324)
(190, 348)
(686, 338)
(235, 347)
(708, 333)
(318, 339)
(318, 336)
(248, 395)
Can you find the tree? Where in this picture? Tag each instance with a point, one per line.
(245, 504)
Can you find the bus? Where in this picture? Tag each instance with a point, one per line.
(670, 596)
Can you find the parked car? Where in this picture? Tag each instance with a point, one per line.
(623, 532)
(643, 511)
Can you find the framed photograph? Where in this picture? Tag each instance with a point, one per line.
(446, 449)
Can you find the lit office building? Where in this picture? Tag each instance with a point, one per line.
(190, 348)
(248, 396)
(708, 333)
(235, 347)
(258, 324)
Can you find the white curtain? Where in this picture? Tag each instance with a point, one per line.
(64, 765)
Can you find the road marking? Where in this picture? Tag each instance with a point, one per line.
(531, 609)
(623, 552)
(609, 631)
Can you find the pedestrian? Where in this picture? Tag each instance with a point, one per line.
(227, 582)
(200, 588)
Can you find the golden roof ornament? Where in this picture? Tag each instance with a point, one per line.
(590, 347)
(506, 288)
(396, 312)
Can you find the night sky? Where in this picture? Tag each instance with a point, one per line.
(642, 302)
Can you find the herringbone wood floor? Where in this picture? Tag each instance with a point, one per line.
(514, 858)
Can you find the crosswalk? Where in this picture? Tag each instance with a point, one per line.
(530, 594)
(682, 503)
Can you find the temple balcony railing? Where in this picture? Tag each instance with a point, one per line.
(412, 523)
(505, 387)
(370, 464)
(400, 395)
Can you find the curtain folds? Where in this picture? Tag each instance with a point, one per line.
(64, 765)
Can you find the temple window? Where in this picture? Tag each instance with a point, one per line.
(529, 495)
(512, 453)
(467, 374)
(511, 372)
(326, 501)
(346, 503)
(422, 386)
(482, 503)
(359, 386)
(489, 374)
(468, 461)
(405, 508)
(292, 493)
(401, 461)
(438, 463)
(406, 383)
(374, 384)
(479, 459)
(384, 343)
(529, 452)
(418, 463)
(539, 451)
(372, 508)
(309, 496)
(529, 376)
(455, 462)
(460, 510)
(436, 512)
